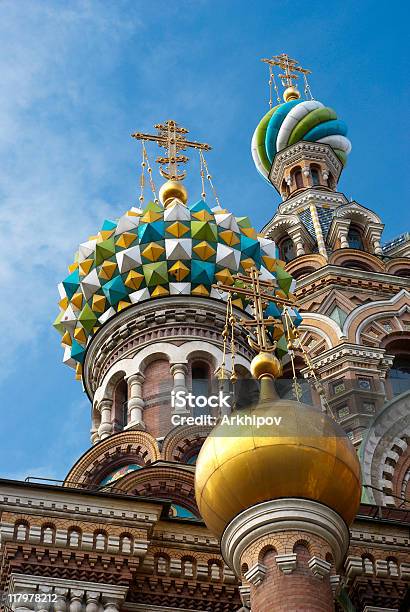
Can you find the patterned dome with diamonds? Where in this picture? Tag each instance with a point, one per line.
(154, 252)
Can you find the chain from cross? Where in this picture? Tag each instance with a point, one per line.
(289, 66)
(171, 137)
(259, 293)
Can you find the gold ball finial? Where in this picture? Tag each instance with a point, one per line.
(266, 364)
(171, 190)
(291, 93)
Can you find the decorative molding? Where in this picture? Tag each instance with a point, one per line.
(141, 325)
(283, 515)
(245, 593)
(286, 563)
(335, 584)
(256, 574)
(319, 567)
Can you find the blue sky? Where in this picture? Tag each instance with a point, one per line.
(79, 77)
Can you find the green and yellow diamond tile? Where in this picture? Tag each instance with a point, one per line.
(125, 240)
(203, 215)
(57, 323)
(179, 270)
(155, 273)
(154, 207)
(281, 346)
(134, 279)
(177, 229)
(243, 222)
(87, 318)
(104, 250)
(284, 279)
(204, 250)
(229, 237)
(153, 251)
(204, 230)
(159, 291)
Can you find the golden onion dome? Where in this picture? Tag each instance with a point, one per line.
(307, 455)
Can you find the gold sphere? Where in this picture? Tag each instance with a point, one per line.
(266, 364)
(307, 456)
(171, 190)
(291, 93)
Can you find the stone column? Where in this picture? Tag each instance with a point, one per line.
(135, 402)
(60, 605)
(92, 598)
(281, 549)
(377, 248)
(105, 428)
(297, 241)
(179, 372)
(76, 599)
(318, 231)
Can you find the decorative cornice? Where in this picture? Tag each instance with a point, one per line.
(319, 567)
(169, 319)
(256, 574)
(300, 151)
(287, 562)
(282, 515)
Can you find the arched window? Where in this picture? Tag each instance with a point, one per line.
(314, 173)
(285, 189)
(298, 179)
(399, 374)
(125, 544)
(100, 541)
(121, 404)
(73, 538)
(200, 384)
(287, 249)
(354, 238)
(47, 534)
(21, 531)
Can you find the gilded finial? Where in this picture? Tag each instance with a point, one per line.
(172, 190)
(171, 137)
(289, 75)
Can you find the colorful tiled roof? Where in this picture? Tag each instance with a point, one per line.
(156, 252)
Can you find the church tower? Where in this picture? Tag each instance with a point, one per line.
(353, 291)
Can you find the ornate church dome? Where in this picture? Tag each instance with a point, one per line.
(296, 120)
(309, 456)
(172, 249)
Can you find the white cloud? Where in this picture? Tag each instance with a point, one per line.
(51, 168)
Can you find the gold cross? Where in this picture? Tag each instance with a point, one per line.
(171, 137)
(259, 293)
(289, 66)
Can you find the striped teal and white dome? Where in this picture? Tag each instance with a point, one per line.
(293, 121)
